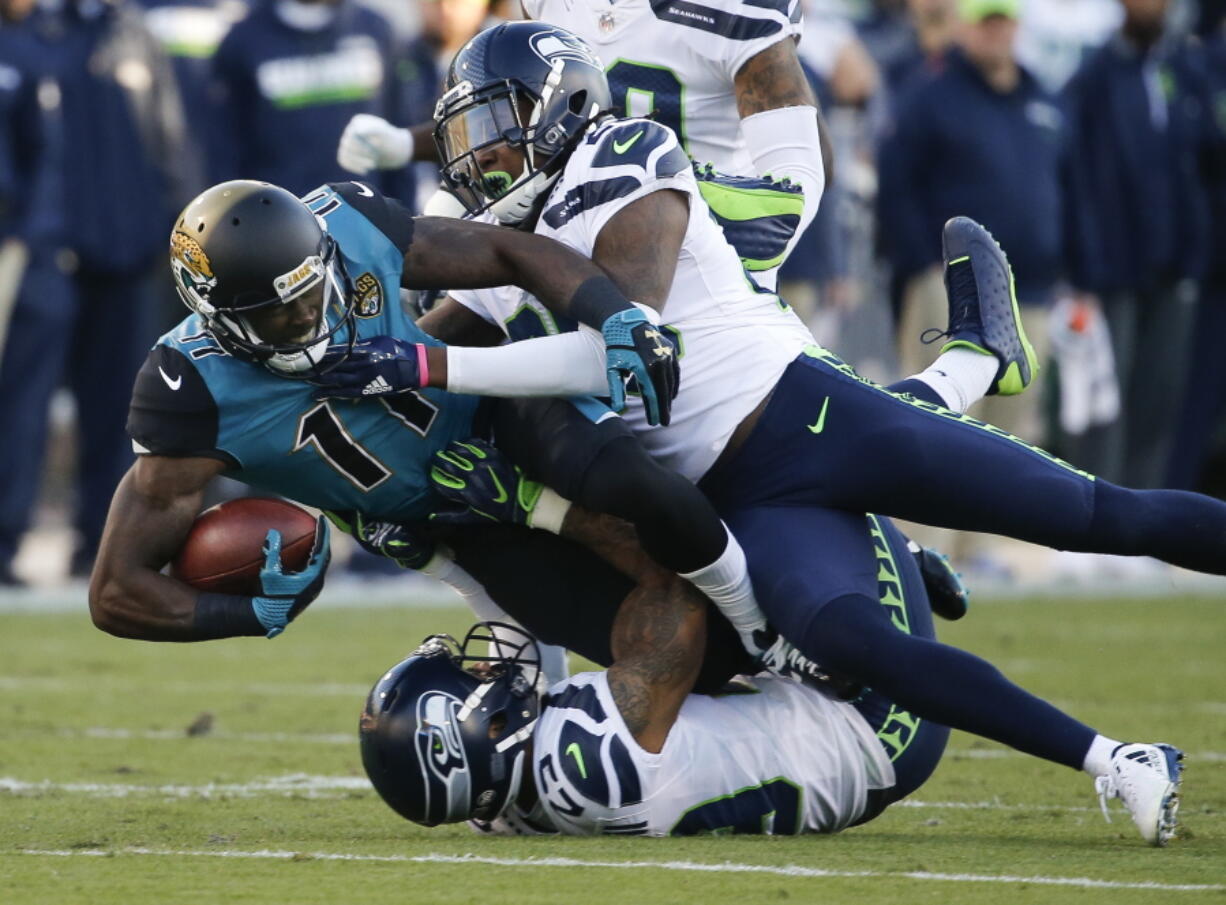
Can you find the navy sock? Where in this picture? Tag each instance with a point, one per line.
(855, 636)
(1177, 526)
(918, 389)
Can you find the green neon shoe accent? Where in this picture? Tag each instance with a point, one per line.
(959, 260)
(966, 344)
(1003, 386)
(735, 203)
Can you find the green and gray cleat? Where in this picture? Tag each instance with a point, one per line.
(983, 309)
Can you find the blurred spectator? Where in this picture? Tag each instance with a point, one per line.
(919, 38)
(289, 77)
(446, 26)
(1205, 401)
(1056, 35)
(30, 230)
(824, 277)
(981, 139)
(83, 313)
(190, 31)
(1138, 229)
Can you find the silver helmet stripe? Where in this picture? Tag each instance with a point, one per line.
(514, 739)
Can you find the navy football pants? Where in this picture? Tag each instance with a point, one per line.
(831, 446)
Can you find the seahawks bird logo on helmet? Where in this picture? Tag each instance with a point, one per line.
(445, 733)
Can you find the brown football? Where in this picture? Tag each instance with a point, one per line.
(224, 550)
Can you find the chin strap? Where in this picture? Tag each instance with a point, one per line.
(517, 205)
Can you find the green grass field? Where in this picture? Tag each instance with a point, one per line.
(106, 797)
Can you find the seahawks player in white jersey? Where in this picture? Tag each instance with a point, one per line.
(820, 439)
(452, 734)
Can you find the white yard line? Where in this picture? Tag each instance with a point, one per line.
(174, 735)
(690, 866)
(331, 689)
(301, 785)
(294, 785)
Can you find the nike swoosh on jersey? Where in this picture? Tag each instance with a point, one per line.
(820, 424)
(621, 147)
(363, 190)
(573, 750)
(173, 384)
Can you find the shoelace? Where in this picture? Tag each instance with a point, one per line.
(962, 288)
(1106, 788)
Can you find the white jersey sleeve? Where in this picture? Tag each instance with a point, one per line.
(719, 318)
(783, 761)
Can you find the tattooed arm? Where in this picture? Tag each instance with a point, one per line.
(658, 640)
(659, 635)
(781, 121)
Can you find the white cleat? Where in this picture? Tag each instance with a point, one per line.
(1146, 778)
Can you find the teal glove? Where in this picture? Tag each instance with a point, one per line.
(283, 595)
(634, 347)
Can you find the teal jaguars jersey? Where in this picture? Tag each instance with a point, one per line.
(191, 398)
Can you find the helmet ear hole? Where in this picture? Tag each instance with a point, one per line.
(578, 102)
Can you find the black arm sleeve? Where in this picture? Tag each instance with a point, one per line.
(604, 468)
(391, 217)
(173, 413)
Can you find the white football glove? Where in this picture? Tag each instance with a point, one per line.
(372, 143)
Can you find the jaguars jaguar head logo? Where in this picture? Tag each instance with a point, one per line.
(369, 295)
(194, 277)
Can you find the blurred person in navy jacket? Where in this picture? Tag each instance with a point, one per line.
(1138, 227)
(289, 77)
(114, 170)
(190, 31)
(980, 138)
(1205, 401)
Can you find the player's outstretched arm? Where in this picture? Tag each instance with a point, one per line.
(151, 513)
(452, 254)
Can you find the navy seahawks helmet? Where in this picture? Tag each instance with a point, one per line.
(442, 742)
(535, 87)
(243, 246)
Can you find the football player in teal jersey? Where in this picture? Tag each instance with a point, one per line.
(274, 283)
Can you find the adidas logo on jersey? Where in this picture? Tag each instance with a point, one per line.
(376, 387)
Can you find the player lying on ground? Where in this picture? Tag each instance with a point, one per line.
(453, 734)
(781, 434)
